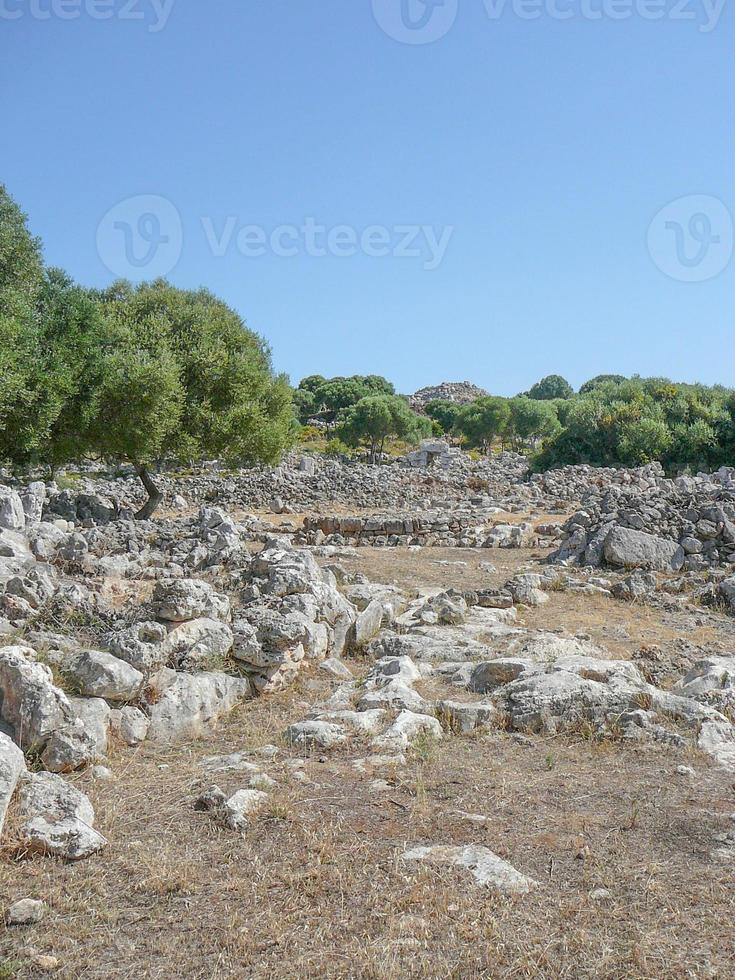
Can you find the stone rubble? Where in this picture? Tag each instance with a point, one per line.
(115, 631)
(650, 522)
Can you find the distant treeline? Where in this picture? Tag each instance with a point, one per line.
(611, 421)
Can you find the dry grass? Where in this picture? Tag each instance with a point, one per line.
(315, 887)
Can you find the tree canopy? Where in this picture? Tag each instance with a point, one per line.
(130, 373)
(550, 387)
(444, 412)
(325, 398)
(376, 418)
(484, 420)
(635, 421)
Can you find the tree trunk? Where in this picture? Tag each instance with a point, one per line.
(154, 495)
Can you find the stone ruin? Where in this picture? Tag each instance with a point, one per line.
(432, 453)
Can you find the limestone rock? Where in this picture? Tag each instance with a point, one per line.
(31, 703)
(56, 818)
(179, 600)
(405, 729)
(628, 548)
(25, 912)
(315, 734)
(141, 646)
(185, 706)
(129, 724)
(12, 515)
(197, 643)
(488, 870)
(12, 766)
(102, 675)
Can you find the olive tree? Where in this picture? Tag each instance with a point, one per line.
(21, 275)
(183, 377)
(379, 417)
(531, 420)
(484, 420)
(550, 387)
(444, 412)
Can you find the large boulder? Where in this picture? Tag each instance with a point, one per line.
(140, 645)
(100, 675)
(197, 644)
(30, 702)
(56, 818)
(40, 715)
(627, 548)
(272, 645)
(12, 764)
(185, 706)
(12, 515)
(179, 600)
(129, 724)
(711, 676)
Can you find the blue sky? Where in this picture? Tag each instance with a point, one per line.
(520, 156)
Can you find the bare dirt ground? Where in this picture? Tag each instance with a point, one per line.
(316, 888)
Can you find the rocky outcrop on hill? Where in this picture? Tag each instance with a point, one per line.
(459, 392)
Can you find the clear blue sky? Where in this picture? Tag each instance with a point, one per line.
(546, 145)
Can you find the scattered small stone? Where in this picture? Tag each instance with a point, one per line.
(102, 773)
(600, 895)
(25, 912)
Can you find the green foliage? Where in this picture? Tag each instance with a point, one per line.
(531, 420)
(74, 340)
(311, 383)
(600, 379)
(635, 421)
(304, 404)
(335, 448)
(484, 420)
(327, 398)
(444, 412)
(184, 377)
(129, 373)
(21, 266)
(550, 387)
(379, 417)
(21, 276)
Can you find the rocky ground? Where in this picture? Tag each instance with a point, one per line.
(481, 727)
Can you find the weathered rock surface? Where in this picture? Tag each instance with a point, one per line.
(185, 706)
(486, 868)
(56, 818)
(12, 766)
(628, 548)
